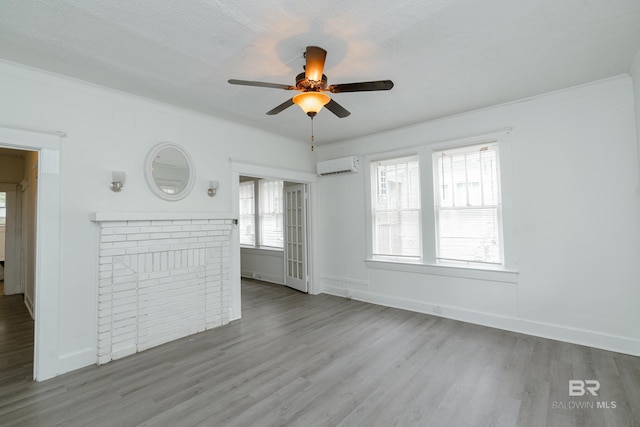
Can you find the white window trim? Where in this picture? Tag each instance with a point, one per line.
(366, 163)
(507, 272)
(259, 250)
(435, 153)
(466, 272)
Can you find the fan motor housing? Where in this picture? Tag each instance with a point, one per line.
(305, 85)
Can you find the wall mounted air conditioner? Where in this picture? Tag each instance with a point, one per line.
(338, 166)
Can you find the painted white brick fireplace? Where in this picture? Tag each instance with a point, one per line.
(161, 277)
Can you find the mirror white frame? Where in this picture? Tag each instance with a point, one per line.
(151, 180)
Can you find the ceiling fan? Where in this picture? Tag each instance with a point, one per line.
(312, 85)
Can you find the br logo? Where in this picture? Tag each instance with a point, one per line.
(580, 387)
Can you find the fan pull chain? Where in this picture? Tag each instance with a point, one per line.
(312, 137)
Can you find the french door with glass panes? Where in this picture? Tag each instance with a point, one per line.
(295, 237)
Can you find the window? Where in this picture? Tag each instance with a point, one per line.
(271, 216)
(247, 220)
(445, 210)
(467, 204)
(266, 228)
(396, 208)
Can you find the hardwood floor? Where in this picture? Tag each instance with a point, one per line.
(303, 360)
(16, 343)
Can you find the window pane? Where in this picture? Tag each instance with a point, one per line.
(396, 207)
(459, 179)
(3, 208)
(246, 217)
(469, 235)
(271, 213)
(490, 183)
(473, 179)
(467, 197)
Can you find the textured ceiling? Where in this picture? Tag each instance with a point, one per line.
(444, 56)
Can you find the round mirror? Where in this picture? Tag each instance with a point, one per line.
(169, 171)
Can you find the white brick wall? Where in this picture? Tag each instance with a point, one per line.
(160, 280)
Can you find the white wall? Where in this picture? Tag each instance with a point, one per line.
(109, 130)
(635, 76)
(577, 219)
(262, 264)
(11, 169)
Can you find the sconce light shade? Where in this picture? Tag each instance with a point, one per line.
(117, 181)
(311, 102)
(213, 188)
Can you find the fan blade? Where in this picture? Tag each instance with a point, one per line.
(361, 87)
(260, 84)
(286, 104)
(337, 109)
(315, 63)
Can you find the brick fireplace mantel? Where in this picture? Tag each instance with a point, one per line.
(162, 276)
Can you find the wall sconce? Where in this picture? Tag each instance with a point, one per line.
(117, 181)
(213, 188)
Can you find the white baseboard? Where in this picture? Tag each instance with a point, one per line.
(524, 326)
(342, 286)
(29, 304)
(278, 280)
(338, 292)
(76, 360)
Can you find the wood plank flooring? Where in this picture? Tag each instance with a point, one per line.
(301, 360)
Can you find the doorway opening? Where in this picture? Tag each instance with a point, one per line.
(296, 259)
(273, 233)
(43, 280)
(18, 213)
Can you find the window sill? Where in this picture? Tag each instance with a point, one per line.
(260, 250)
(466, 272)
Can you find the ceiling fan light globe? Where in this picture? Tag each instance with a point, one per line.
(311, 102)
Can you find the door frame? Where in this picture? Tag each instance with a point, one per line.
(25, 245)
(48, 244)
(261, 171)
